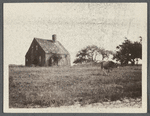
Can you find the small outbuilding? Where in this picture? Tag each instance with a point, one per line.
(43, 52)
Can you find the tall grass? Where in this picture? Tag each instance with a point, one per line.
(63, 86)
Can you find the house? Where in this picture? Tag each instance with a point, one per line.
(43, 52)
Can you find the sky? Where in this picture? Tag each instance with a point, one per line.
(76, 25)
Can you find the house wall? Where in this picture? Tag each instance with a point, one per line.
(35, 52)
(43, 59)
(64, 61)
(47, 58)
(68, 60)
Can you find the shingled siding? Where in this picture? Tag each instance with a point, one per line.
(65, 60)
(35, 52)
(47, 59)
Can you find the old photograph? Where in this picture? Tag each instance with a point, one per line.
(75, 57)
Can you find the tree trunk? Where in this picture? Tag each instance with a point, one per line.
(92, 57)
(132, 61)
(95, 56)
(102, 58)
(121, 62)
(137, 61)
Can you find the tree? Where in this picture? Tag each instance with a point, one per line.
(104, 53)
(128, 51)
(89, 54)
(92, 52)
(137, 51)
(82, 56)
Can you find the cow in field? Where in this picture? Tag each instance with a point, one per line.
(106, 66)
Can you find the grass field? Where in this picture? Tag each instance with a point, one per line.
(65, 86)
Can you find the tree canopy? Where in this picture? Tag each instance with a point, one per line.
(89, 54)
(128, 51)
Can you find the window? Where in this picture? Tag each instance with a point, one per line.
(27, 60)
(36, 47)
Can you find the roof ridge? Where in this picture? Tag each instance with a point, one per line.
(41, 38)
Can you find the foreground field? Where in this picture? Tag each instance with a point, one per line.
(66, 86)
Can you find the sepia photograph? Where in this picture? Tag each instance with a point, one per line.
(75, 57)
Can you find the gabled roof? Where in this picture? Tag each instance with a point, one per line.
(51, 47)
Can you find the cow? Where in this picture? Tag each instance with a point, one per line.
(106, 66)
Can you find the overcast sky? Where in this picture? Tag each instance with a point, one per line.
(75, 24)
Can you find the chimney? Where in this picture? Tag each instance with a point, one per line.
(54, 38)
